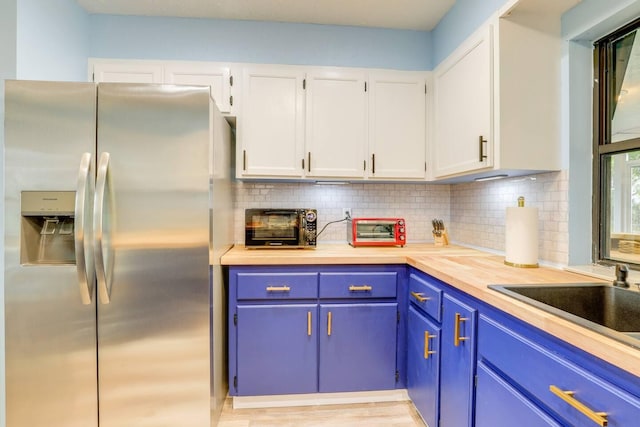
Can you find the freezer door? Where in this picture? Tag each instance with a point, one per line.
(49, 318)
(153, 315)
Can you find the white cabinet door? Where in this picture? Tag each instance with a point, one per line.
(127, 72)
(213, 75)
(397, 125)
(464, 108)
(271, 130)
(336, 120)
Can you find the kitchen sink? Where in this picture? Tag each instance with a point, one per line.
(612, 311)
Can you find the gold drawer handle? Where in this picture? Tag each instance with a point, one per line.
(329, 324)
(456, 330)
(419, 296)
(599, 418)
(354, 288)
(427, 337)
(308, 323)
(278, 288)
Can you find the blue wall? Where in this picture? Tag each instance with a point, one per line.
(52, 40)
(114, 36)
(459, 23)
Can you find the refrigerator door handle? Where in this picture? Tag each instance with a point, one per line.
(103, 250)
(82, 230)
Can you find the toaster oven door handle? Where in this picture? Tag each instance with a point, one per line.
(363, 288)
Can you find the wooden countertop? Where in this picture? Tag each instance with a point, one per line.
(467, 269)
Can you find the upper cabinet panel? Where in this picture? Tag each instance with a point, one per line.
(336, 120)
(218, 77)
(127, 72)
(397, 125)
(464, 108)
(270, 136)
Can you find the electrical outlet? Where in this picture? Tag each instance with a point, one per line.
(346, 213)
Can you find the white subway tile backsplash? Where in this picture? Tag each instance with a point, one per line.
(478, 212)
(473, 212)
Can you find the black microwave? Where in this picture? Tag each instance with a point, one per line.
(280, 228)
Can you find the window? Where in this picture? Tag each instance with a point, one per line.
(617, 146)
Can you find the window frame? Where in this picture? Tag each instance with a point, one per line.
(602, 144)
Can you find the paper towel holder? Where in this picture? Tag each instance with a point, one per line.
(517, 222)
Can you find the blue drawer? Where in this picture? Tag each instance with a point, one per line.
(358, 285)
(255, 286)
(544, 374)
(426, 296)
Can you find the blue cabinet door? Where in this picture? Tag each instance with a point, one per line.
(423, 365)
(357, 347)
(277, 349)
(458, 358)
(498, 404)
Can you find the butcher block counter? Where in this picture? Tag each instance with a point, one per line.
(469, 270)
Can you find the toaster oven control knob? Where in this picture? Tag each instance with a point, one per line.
(401, 229)
(311, 216)
(400, 223)
(401, 237)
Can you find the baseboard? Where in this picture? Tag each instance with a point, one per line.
(283, 400)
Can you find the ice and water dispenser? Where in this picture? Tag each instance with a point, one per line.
(47, 223)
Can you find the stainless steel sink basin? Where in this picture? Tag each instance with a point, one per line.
(614, 312)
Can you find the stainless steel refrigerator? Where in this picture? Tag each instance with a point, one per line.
(117, 209)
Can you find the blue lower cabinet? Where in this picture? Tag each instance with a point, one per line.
(310, 329)
(277, 349)
(498, 404)
(423, 365)
(357, 347)
(458, 360)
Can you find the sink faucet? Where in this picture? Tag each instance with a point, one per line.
(622, 270)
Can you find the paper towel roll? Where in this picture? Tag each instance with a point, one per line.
(521, 237)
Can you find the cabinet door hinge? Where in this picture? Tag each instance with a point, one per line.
(425, 166)
(365, 86)
(304, 83)
(397, 376)
(398, 316)
(235, 382)
(303, 163)
(425, 88)
(93, 77)
(230, 80)
(231, 100)
(475, 381)
(235, 319)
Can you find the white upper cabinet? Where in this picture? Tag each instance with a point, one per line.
(336, 124)
(215, 75)
(270, 132)
(126, 72)
(218, 77)
(463, 98)
(397, 125)
(501, 86)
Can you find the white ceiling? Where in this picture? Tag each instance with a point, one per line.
(398, 14)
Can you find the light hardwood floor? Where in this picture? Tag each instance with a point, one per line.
(387, 414)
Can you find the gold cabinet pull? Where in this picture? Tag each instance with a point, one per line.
(354, 288)
(427, 337)
(456, 330)
(599, 418)
(308, 323)
(329, 324)
(419, 296)
(284, 288)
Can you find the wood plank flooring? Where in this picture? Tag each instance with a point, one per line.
(387, 414)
